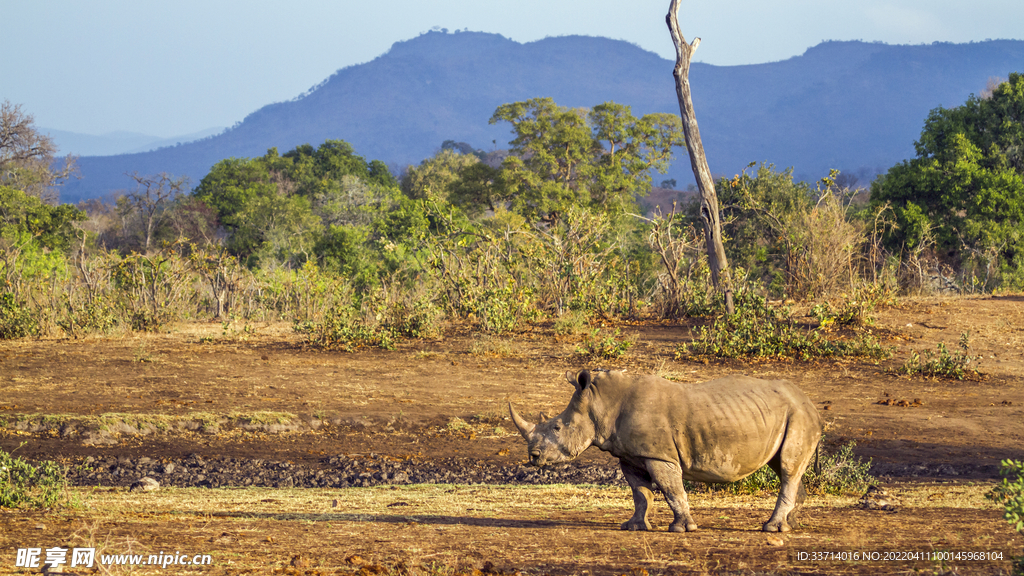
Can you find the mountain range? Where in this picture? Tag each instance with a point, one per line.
(120, 142)
(850, 105)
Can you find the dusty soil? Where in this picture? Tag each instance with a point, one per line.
(256, 393)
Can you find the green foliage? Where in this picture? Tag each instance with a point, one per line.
(853, 311)
(957, 365)
(604, 347)
(563, 157)
(343, 319)
(51, 227)
(345, 327)
(799, 240)
(841, 472)
(572, 323)
(435, 177)
(152, 289)
(279, 210)
(757, 210)
(504, 309)
(965, 189)
(23, 484)
(343, 250)
(1010, 494)
(16, 319)
(759, 330)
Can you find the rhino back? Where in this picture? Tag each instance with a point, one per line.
(717, 431)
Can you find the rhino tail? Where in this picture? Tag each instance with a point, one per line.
(817, 459)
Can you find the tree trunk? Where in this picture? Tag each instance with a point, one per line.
(717, 260)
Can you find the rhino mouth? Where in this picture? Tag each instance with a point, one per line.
(542, 460)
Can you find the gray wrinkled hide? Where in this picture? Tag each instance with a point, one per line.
(663, 432)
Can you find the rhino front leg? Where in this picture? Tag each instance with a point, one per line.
(640, 484)
(669, 478)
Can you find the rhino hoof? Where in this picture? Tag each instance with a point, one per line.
(635, 526)
(681, 527)
(777, 526)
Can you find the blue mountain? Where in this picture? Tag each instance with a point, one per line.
(854, 106)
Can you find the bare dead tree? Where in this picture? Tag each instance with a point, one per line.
(27, 156)
(709, 213)
(152, 196)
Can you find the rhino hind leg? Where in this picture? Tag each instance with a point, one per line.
(640, 484)
(793, 517)
(790, 466)
(669, 479)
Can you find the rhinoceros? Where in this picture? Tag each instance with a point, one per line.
(663, 432)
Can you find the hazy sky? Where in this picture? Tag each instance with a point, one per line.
(172, 68)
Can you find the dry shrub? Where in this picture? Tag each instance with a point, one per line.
(822, 247)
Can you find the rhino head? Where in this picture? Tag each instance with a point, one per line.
(566, 436)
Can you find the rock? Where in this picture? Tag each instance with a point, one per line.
(878, 498)
(146, 484)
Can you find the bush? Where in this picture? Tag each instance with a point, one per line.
(958, 365)
(758, 330)
(839, 473)
(406, 312)
(853, 311)
(36, 486)
(504, 309)
(344, 327)
(609, 347)
(153, 289)
(16, 320)
(1011, 495)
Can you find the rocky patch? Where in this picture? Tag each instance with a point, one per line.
(362, 471)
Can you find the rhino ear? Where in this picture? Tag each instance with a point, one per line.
(543, 416)
(583, 379)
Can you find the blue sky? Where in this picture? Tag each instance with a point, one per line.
(171, 68)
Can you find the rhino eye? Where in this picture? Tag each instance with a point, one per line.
(558, 427)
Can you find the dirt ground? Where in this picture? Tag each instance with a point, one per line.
(411, 404)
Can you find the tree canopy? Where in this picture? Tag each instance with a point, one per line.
(288, 208)
(600, 158)
(964, 191)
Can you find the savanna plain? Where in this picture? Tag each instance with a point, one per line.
(229, 391)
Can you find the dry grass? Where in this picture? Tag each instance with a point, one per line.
(556, 528)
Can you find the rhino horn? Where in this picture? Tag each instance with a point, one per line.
(525, 428)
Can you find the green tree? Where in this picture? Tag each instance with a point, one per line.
(758, 212)
(599, 158)
(965, 188)
(256, 202)
(628, 149)
(436, 176)
(479, 188)
(23, 215)
(285, 208)
(233, 182)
